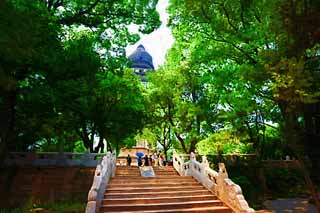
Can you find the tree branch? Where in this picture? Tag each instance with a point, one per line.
(242, 15)
(205, 15)
(257, 16)
(57, 4)
(274, 127)
(228, 17)
(183, 145)
(93, 5)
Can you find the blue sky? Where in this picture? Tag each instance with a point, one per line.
(158, 42)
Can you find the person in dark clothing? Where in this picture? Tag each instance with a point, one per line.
(146, 160)
(129, 160)
(139, 161)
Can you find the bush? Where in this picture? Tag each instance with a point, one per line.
(285, 182)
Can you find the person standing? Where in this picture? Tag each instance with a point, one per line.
(139, 161)
(129, 160)
(160, 160)
(156, 159)
(146, 160)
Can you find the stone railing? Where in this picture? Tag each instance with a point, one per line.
(104, 171)
(52, 159)
(217, 182)
(281, 163)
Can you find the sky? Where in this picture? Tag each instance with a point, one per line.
(158, 42)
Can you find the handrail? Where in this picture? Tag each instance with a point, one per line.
(216, 182)
(104, 171)
(178, 163)
(54, 153)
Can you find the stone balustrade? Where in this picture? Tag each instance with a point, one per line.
(104, 171)
(217, 182)
(53, 159)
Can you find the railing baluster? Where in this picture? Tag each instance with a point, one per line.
(104, 171)
(219, 183)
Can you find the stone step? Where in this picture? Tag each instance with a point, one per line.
(165, 172)
(154, 185)
(166, 192)
(155, 194)
(160, 206)
(150, 200)
(154, 182)
(215, 209)
(157, 179)
(165, 168)
(128, 173)
(153, 178)
(152, 189)
(127, 167)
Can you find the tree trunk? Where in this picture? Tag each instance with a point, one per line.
(193, 145)
(3, 152)
(100, 146)
(252, 139)
(293, 136)
(86, 141)
(109, 146)
(165, 150)
(8, 133)
(309, 183)
(183, 145)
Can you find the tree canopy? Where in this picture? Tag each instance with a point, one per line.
(64, 72)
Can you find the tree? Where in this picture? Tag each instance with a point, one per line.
(182, 108)
(55, 57)
(257, 52)
(24, 51)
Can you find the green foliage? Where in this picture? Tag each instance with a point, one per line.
(285, 182)
(63, 75)
(254, 64)
(223, 142)
(79, 147)
(17, 210)
(150, 136)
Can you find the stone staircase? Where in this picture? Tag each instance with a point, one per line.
(166, 192)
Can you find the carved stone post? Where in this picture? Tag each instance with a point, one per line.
(174, 152)
(220, 181)
(205, 163)
(114, 164)
(204, 167)
(192, 156)
(182, 165)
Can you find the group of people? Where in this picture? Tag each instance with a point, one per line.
(156, 159)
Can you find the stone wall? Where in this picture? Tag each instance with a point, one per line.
(22, 185)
